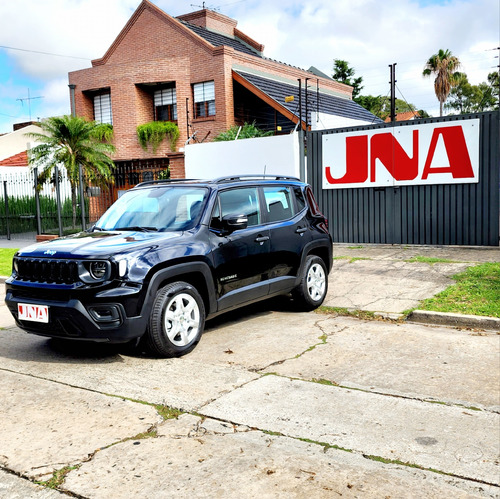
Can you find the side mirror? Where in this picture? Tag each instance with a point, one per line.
(232, 222)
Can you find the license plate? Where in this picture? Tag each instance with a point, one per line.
(34, 313)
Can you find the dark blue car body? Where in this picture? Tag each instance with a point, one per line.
(101, 284)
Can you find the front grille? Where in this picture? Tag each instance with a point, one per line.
(47, 270)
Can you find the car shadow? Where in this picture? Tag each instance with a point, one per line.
(262, 308)
(33, 348)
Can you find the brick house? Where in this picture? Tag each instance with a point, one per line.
(204, 74)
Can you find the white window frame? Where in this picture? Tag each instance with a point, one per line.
(103, 112)
(204, 93)
(166, 97)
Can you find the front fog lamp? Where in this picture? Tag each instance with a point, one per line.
(98, 270)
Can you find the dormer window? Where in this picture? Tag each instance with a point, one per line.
(204, 99)
(165, 102)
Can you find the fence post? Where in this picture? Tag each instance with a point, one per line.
(58, 196)
(7, 214)
(82, 198)
(37, 203)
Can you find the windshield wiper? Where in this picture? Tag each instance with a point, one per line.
(138, 228)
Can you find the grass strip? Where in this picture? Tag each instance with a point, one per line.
(430, 260)
(6, 255)
(476, 292)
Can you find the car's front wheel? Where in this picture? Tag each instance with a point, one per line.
(311, 291)
(177, 320)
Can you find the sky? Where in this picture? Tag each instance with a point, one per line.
(40, 42)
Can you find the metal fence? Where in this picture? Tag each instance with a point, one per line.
(26, 210)
(450, 214)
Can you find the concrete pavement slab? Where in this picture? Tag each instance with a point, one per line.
(386, 285)
(206, 458)
(179, 383)
(455, 440)
(45, 426)
(258, 336)
(15, 487)
(411, 360)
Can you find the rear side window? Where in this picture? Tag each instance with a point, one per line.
(313, 205)
(299, 199)
(279, 203)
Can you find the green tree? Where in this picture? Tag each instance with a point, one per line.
(381, 106)
(494, 83)
(374, 104)
(247, 131)
(343, 73)
(70, 141)
(468, 98)
(444, 66)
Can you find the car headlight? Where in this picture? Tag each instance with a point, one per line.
(98, 270)
(94, 271)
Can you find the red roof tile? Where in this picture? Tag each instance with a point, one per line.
(408, 115)
(20, 159)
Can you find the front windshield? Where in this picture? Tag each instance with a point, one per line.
(155, 209)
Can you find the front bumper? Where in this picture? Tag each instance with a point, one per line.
(102, 322)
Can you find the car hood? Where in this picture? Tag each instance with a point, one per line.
(97, 244)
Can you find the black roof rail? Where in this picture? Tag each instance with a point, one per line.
(256, 176)
(166, 181)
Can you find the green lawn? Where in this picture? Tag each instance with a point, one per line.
(6, 255)
(477, 292)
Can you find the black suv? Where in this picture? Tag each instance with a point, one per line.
(168, 255)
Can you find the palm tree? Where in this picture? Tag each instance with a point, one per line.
(70, 141)
(444, 65)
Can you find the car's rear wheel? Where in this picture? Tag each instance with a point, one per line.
(177, 320)
(311, 291)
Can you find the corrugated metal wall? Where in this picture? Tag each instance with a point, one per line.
(453, 214)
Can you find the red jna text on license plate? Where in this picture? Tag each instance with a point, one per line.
(35, 313)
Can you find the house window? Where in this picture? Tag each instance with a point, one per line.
(204, 99)
(102, 108)
(165, 102)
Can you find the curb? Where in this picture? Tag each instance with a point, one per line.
(454, 320)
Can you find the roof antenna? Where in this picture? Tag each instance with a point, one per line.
(204, 6)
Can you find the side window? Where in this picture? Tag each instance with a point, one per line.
(278, 203)
(299, 199)
(243, 201)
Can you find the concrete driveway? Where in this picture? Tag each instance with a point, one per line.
(273, 403)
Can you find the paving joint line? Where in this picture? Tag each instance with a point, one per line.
(384, 394)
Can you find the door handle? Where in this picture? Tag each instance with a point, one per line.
(261, 239)
(301, 230)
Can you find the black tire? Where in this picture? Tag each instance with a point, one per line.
(311, 291)
(176, 321)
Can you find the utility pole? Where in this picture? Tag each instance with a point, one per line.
(307, 104)
(302, 162)
(393, 90)
(29, 99)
